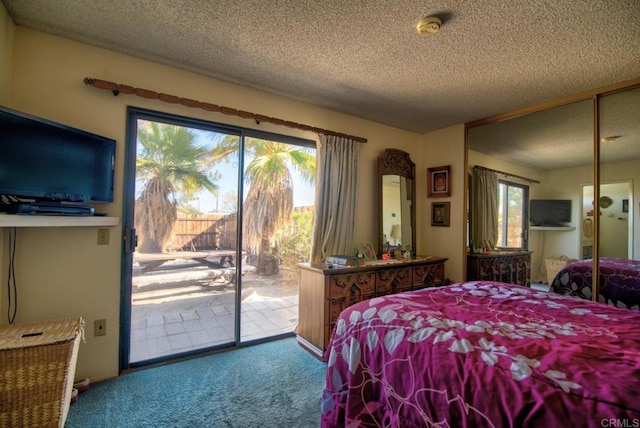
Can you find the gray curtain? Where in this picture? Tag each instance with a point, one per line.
(336, 195)
(484, 209)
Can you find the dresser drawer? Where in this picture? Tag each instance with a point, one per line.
(335, 307)
(390, 281)
(428, 275)
(352, 286)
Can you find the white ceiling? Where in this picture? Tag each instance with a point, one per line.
(365, 58)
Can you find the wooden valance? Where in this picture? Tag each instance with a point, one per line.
(117, 89)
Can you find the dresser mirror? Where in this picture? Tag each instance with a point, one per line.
(397, 214)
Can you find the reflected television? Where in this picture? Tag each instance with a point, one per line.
(550, 212)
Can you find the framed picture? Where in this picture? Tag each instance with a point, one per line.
(438, 182)
(369, 252)
(440, 213)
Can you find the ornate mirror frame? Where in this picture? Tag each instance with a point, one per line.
(397, 163)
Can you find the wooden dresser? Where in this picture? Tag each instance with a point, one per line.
(325, 292)
(507, 266)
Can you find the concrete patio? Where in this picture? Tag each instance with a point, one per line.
(195, 310)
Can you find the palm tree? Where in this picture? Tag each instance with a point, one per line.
(269, 202)
(168, 161)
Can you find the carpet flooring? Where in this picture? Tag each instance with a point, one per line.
(275, 384)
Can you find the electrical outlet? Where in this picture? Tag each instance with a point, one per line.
(100, 327)
(103, 236)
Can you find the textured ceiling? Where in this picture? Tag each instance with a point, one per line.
(563, 136)
(365, 58)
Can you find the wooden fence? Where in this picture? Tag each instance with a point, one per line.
(206, 232)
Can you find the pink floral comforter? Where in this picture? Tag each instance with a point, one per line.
(483, 354)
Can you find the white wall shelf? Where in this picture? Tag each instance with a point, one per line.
(556, 228)
(17, 220)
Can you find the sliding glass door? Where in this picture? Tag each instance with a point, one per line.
(221, 216)
(277, 219)
(183, 277)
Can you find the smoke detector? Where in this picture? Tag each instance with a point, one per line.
(429, 25)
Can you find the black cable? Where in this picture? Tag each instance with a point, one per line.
(11, 278)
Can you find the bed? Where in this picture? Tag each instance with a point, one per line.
(619, 281)
(482, 354)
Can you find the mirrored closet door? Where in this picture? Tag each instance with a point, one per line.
(584, 149)
(619, 171)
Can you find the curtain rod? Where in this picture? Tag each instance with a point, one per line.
(117, 88)
(530, 180)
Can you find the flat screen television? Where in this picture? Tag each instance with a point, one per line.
(550, 212)
(41, 160)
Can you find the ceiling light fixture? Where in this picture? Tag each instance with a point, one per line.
(429, 25)
(610, 139)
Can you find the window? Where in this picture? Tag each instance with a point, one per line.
(513, 208)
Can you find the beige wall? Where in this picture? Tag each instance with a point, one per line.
(62, 272)
(614, 236)
(440, 148)
(6, 50)
(477, 158)
(627, 171)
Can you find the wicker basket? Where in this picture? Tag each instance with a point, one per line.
(555, 265)
(37, 369)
